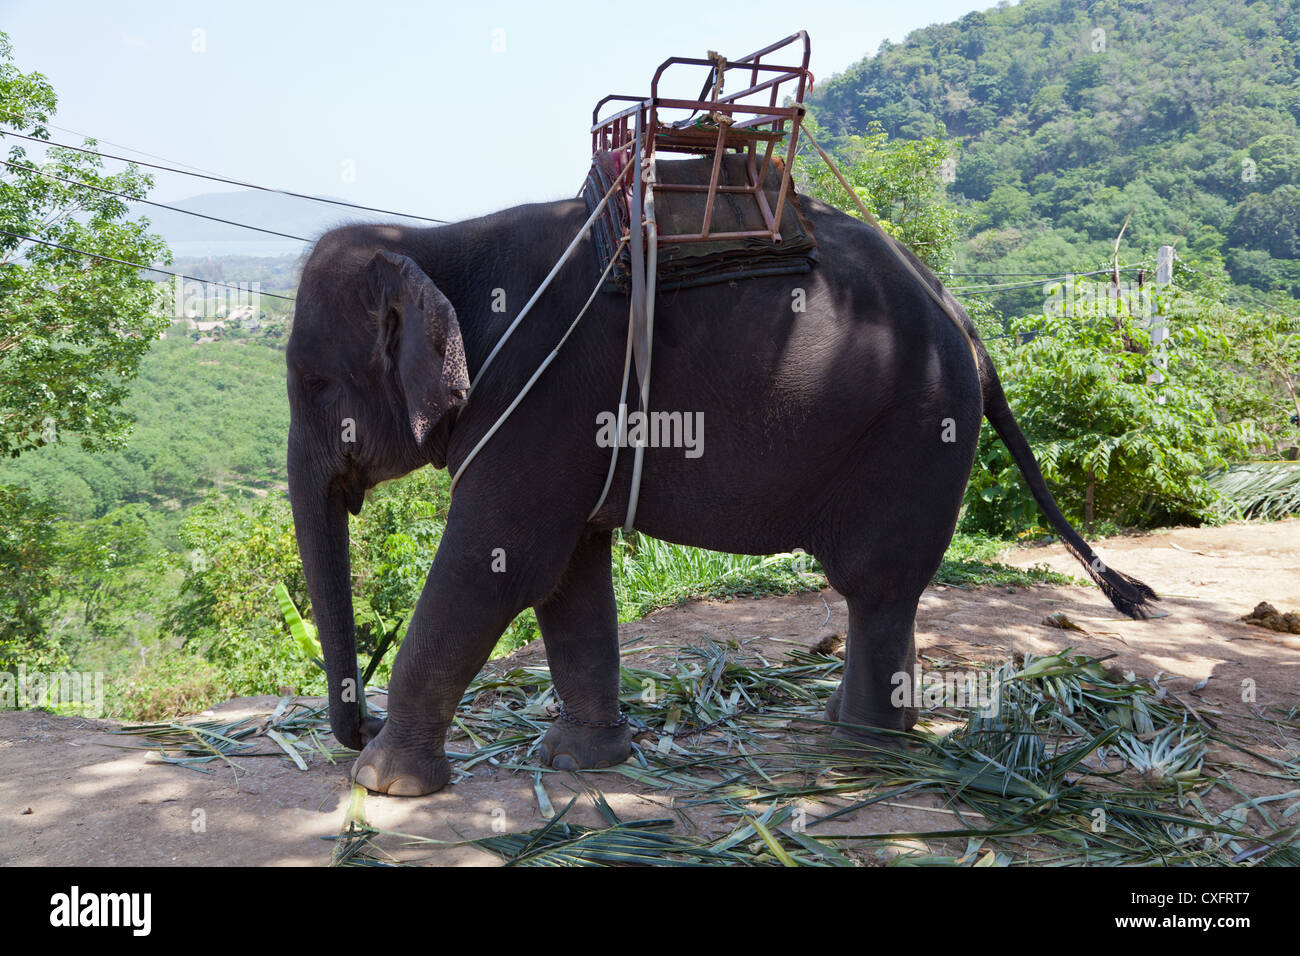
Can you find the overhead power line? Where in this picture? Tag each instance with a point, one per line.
(980, 275)
(1007, 287)
(36, 119)
(150, 202)
(1236, 290)
(221, 179)
(137, 265)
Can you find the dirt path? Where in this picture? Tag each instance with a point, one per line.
(72, 794)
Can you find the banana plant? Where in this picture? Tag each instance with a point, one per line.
(377, 630)
(303, 632)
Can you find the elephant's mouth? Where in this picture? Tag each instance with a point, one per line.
(352, 486)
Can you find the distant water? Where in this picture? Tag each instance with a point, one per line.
(200, 248)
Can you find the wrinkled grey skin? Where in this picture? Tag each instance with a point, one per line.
(823, 430)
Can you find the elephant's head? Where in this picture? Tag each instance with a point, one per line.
(376, 371)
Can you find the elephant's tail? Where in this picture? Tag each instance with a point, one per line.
(1129, 595)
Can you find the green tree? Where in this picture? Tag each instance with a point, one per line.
(235, 557)
(900, 181)
(73, 328)
(1113, 445)
(30, 551)
(1271, 222)
(226, 608)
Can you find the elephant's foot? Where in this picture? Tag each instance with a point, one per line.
(910, 714)
(853, 738)
(572, 746)
(400, 767)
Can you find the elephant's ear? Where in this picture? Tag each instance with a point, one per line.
(419, 339)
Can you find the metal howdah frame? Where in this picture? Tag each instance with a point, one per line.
(718, 122)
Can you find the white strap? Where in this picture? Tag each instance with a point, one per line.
(536, 375)
(547, 281)
(622, 421)
(651, 275)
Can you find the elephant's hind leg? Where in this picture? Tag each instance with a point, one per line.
(579, 623)
(880, 658)
(892, 540)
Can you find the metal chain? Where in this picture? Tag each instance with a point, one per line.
(608, 724)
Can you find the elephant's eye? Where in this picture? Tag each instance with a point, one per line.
(314, 384)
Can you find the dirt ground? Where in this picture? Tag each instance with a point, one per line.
(72, 794)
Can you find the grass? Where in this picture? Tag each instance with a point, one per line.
(650, 574)
(969, 562)
(1079, 765)
(177, 683)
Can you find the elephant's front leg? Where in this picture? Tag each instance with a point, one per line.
(467, 602)
(579, 623)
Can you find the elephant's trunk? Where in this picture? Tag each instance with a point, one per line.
(321, 522)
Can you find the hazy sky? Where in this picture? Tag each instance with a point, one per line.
(411, 99)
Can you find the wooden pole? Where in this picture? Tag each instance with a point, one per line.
(1159, 323)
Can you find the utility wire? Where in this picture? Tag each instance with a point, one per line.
(160, 205)
(1002, 274)
(36, 119)
(979, 290)
(1002, 287)
(136, 265)
(220, 179)
(986, 290)
(1236, 290)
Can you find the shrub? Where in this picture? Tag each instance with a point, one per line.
(1112, 444)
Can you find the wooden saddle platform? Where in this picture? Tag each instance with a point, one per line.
(730, 211)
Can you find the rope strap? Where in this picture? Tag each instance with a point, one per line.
(547, 281)
(536, 375)
(894, 247)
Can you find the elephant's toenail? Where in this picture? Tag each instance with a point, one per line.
(368, 777)
(564, 762)
(406, 787)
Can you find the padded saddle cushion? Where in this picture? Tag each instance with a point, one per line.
(686, 264)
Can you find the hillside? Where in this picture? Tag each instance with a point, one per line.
(1068, 116)
(207, 416)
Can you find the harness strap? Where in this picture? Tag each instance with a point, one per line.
(547, 281)
(622, 423)
(894, 248)
(645, 338)
(535, 376)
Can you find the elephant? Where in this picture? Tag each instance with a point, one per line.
(840, 408)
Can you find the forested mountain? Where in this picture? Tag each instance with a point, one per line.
(1068, 115)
